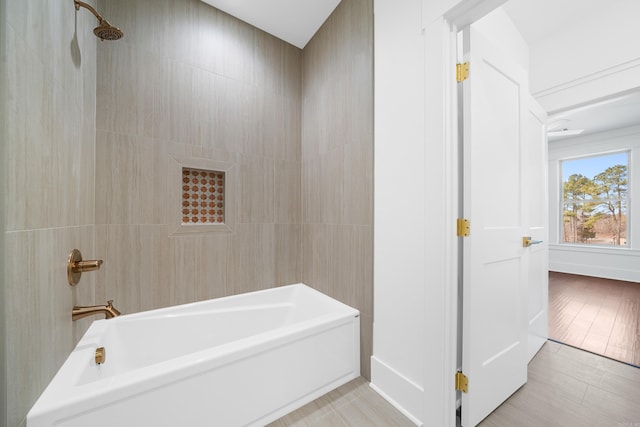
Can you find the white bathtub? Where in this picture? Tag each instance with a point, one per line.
(243, 360)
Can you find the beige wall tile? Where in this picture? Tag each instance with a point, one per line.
(238, 50)
(183, 102)
(315, 261)
(180, 31)
(124, 179)
(366, 344)
(48, 189)
(144, 22)
(338, 260)
(154, 83)
(127, 273)
(287, 254)
(290, 147)
(211, 39)
(251, 255)
(358, 184)
(236, 117)
(200, 265)
(37, 280)
(269, 63)
(16, 174)
(271, 128)
(256, 188)
(337, 161)
(127, 78)
(323, 188)
(287, 192)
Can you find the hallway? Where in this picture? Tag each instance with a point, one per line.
(597, 315)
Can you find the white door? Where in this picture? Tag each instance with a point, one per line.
(535, 168)
(494, 313)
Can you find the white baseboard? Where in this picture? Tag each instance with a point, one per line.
(596, 271)
(405, 395)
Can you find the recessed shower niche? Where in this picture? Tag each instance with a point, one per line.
(201, 196)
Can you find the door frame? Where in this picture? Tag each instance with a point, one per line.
(441, 124)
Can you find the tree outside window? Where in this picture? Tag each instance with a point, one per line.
(595, 200)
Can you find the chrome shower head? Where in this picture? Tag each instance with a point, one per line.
(104, 31)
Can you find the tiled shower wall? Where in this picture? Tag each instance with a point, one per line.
(190, 82)
(337, 162)
(48, 189)
(86, 164)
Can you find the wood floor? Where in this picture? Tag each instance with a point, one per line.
(598, 315)
(566, 387)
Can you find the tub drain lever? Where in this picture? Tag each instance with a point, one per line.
(101, 355)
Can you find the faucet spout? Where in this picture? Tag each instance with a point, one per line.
(108, 310)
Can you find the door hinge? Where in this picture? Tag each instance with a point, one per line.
(463, 227)
(462, 72)
(462, 382)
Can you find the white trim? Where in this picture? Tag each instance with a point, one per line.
(601, 250)
(615, 80)
(609, 263)
(408, 394)
(598, 143)
(450, 208)
(441, 119)
(466, 12)
(589, 78)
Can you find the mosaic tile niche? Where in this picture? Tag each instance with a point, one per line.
(203, 196)
(200, 196)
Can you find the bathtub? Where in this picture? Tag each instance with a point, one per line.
(243, 360)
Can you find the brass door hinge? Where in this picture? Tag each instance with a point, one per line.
(463, 227)
(462, 382)
(462, 72)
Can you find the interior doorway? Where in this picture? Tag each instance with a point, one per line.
(585, 310)
(608, 337)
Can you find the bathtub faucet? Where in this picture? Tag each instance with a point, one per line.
(83, 311)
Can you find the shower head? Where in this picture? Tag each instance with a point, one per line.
(104, 31)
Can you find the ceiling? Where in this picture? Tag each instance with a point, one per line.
(294, 21)
(540, 19)
(604, 115)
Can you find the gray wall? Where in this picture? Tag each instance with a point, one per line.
(48, 179)
(189, 81)
(337, 162)
(3, 137)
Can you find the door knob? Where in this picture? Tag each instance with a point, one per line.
(526, 242)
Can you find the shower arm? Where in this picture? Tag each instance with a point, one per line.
(90, 9)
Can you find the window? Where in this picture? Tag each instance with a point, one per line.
(595, 200)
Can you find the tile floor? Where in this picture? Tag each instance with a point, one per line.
(570, 387)
(567, 387)
(353, 404)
